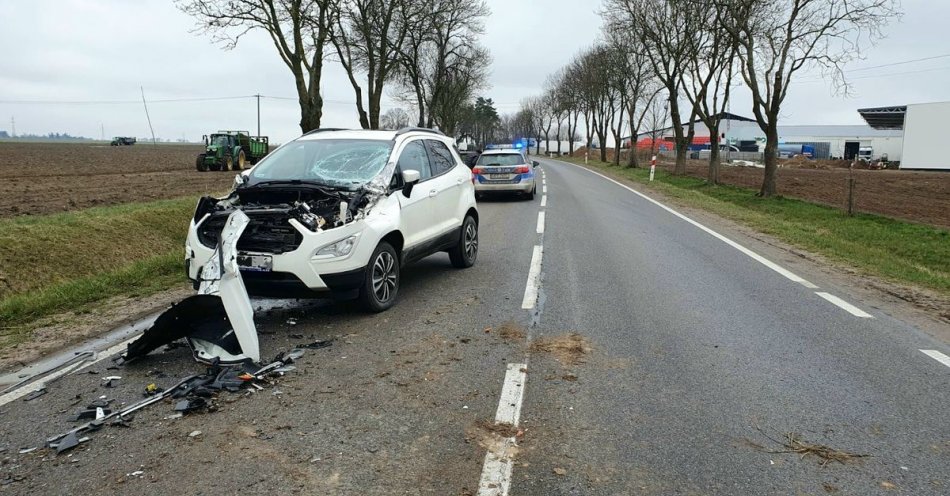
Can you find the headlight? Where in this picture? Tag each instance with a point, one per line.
(341, 248)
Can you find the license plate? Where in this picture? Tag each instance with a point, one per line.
(255, 263)
(498, 176)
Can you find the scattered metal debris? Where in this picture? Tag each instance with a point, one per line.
(316, 345)
(35, 394)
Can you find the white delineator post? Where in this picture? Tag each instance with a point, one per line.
(652, 167)
(585, 158)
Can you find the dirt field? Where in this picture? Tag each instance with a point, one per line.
(44, 178)
(922, 197)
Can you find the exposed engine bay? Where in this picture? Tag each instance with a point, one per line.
(270, 209)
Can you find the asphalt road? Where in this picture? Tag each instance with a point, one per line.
(692, 362)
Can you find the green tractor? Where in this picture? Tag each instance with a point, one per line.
(231, 151)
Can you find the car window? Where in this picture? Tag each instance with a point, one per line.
(414, 157)
(500, 159)
(440, 158)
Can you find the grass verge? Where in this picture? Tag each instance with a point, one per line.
(895, 250)
(70, 261)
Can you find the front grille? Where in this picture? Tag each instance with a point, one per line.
(265, 233)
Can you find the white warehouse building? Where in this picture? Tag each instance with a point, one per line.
(834, 141)
(921, 127)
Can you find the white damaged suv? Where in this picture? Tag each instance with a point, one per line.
(339, 213)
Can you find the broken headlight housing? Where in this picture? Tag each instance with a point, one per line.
(339, 249)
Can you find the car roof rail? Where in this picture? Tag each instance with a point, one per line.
(324, 129)
(418, 130)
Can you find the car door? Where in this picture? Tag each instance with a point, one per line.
(446, 184)
(417, 219)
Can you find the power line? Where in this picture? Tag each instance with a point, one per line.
(900, 63)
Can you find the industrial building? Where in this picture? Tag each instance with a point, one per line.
(921, 129)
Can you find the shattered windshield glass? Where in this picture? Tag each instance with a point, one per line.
(500, 159)
(345, 163)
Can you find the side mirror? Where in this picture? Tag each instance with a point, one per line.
(535, 163)
(409, 179)
(205, 138)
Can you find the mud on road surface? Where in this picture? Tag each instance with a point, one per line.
(44, 178)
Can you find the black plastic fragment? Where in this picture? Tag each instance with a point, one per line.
(316, 345)
(198, 314)
(68, 441)
(35, 394)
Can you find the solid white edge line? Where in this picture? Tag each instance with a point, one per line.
(534, 274)
(853, 310)
(751, 254)
(544, 201)
(40, 384)
(936, 355)
(496, 471)
(541, 222)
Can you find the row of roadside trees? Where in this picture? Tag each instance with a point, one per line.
(682, 60)
(426, 52)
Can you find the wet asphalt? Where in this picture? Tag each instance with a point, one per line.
(701, 362)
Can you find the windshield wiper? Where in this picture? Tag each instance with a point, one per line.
(291, 182)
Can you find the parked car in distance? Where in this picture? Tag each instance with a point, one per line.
(504, 171)
(339, 213)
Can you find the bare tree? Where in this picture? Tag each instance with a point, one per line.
(367, 35)
(708, 78)
(440, 53)
(664, 28)
(778, 38)
(299, 30)
(636, 78)
(656, 119)
(395, 118)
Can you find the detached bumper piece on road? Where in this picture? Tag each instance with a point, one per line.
(218, 322)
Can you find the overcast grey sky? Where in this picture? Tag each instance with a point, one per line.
(94, 50)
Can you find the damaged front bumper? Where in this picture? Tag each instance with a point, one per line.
(218, 322)
(301, 271)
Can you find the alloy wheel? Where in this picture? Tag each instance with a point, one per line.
(384, 277)
(471, 241)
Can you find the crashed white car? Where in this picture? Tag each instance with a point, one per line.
(339, 212)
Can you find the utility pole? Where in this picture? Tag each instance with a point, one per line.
(13, 127)
(146, 115)
(258, 113)
(102, 131)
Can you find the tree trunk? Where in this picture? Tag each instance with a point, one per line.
(603, 145)
(617, 147)
(713, 176)
(769, 187)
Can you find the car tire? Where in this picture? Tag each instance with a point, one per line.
(465, 252)
(381, 282)
(530, 196)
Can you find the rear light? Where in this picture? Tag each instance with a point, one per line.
(477, 170)
(522, 169)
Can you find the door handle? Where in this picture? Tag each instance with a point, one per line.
(459, 181)
(432, 193)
